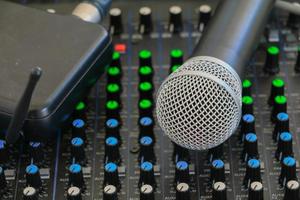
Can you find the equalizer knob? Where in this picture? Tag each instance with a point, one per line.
(180, 153)
(146, 90)
(36, 151)
(112, 128)
(288, 170)
(147, 174)
(217, 171)
(145, 58)
(80, 110)
(256, 191)
(3, 182)
(145, 108)
(272, 60)
(146, 25)
(215, 153)
(111, 175)
(284, 146)
(247, 126)
(74, 193)
(183, 191)
(277, 89)
(112, 153)
(30, 193)
(176, 58)
(297, 65)
(147, 150)
(114, 75)
(110, 192)
(113, 92)
(247, 105)
(247, 87)
(78, 128)
(292, 190)
(76, 175)
(175, 21)
(250, 147)
(281, 125)
(219, 191)
(146, 192)
(146, 125)
(113, 109)
(33, 177)
(77, 149)
(280, 105)
(3, 152)
(205, 12)
(116, 61)
(182, 172)
(252, 172)
(116, 25)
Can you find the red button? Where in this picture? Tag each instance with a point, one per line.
(121, 48)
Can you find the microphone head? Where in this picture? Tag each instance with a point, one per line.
(199, 105)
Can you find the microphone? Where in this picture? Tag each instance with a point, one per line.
(199, 105)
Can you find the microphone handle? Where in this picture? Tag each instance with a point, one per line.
(233, 33)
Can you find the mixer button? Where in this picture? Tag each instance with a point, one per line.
(176, 58)
(146, 192)
(74, 193)
(147, 174)
(146, 25)
(112, 153)
(3, 182)
(33, 177)
(182, 172)
(288, 170)
(113, 109)
(215, 153)
(76, 175)
(252, 172)
(256, 191)
(183, 191)
(112, 128)
(146, 74)
(145, 58)
(36, 151)
(175, 20)
(277, 89)
(247, 87)
(180, 153)
(281, 125)
(110, 192)
(30, 193)
(217, 171)
(247, 105)
(80, 111)
(116, 25)
(114, 75)
(147, 150)
(297, 65)
(205, 13)
(145, 108)
(292, 190)
(77, 149)
(113, 92)
(250, 147)
(280, 105)
(146, 125)
(3, 152)
(111, 175)
(247, 126)
(146, 90)
(116, 60)
(219, 191)
(272, 60)
(284, 146)
(78, 128)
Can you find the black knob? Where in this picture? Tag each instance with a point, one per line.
(297, 65)
(112, 153)
(146, 125)
(30, 193)
(247, 88)
(146, 149)
(183, 191)
(250, 147)
(247, 105)
(277, 89)
(116, 61)
(175, 21)
(145, 59)
(2, 179)
(217, 171)
(176, 59)
(77, 149)
(205, 13)
(146, 192)
(284, 146)
(252, 172)
(272, 60)
(80, 111)
(113, 109)
(247, 126)
(215, 153)
(114, 75)
(146, 90)
(78, 128)
(111, 175)
(219, 191)
(281, 125)
(113, 92)
(292, 190)
(256, 191)
(147, 174)
(288, 170)
(280, 105)
(33, 177)
(74, 193)
(3, 152)
(36, 151)
(146, 25)
(112, 128)
(110, 192)
(180, 153)
(146, 108)
(76, 175)
(182, 172)
(116, 25)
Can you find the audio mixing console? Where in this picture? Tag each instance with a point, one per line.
(112, 148)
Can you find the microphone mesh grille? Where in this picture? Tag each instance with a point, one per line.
(199, 105)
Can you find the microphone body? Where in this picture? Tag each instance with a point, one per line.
(199, 105)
